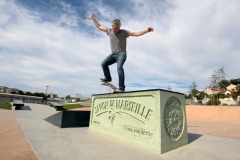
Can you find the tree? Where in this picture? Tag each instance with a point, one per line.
(192, 90)
(235, 81)
(195, 92)
(21, 92)
(41, 94)
(36, 94)
(68, 97)
(200, 96)
(214, 101)
(223, 84)
(28, 93)
(217, 76)
(193, 86)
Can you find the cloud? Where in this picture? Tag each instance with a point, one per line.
(194, 40)
(55, 44)
(37, 53)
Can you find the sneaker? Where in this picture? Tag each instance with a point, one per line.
(119, 90)
(105, 80)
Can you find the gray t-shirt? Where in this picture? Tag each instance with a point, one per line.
(118, 42)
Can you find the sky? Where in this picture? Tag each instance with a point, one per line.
(53, 43)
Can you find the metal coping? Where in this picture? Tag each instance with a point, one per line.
(140, 91)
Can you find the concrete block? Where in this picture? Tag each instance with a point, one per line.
(153, 119)
(18, 104)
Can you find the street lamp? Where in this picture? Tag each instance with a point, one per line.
(47, 89)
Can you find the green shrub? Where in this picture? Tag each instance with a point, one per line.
(213, 102)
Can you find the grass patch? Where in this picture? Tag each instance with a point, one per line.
(72, 106)
(5, 105)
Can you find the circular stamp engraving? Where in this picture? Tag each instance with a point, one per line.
(173, 118)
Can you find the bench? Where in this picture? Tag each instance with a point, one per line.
(18, 104)
(59, 107)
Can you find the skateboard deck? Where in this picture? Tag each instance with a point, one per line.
(112, 87)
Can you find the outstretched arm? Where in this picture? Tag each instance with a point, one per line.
(140, 33)
(99, 26)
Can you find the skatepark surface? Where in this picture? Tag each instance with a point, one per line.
(30, 134)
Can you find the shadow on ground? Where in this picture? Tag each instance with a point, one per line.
(26, 108)
(193, 136)
(68, 118)
(55, 119)
(23, 108)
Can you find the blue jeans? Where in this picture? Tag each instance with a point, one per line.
(118, 58)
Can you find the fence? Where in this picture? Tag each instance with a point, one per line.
(25, 98)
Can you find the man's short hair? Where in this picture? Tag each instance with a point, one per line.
(116, 21)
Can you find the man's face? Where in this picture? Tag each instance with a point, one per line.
(115, 28)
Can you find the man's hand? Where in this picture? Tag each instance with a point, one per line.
(90, 16)
(140, 33)
(150, 29)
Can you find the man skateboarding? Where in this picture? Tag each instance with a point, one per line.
(118, 42)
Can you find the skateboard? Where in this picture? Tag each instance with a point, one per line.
(112, 87)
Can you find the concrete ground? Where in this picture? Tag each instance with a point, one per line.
(214, 134)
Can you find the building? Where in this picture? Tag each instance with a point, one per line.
(210, 91)
(232, 88)
(4, 89)
(226, 92)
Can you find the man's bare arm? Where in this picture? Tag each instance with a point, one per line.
(99, 26)
(140, 33)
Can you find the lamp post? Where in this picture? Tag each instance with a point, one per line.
(47, 89)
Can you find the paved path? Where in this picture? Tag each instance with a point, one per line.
(13, 144)
(49, 142)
